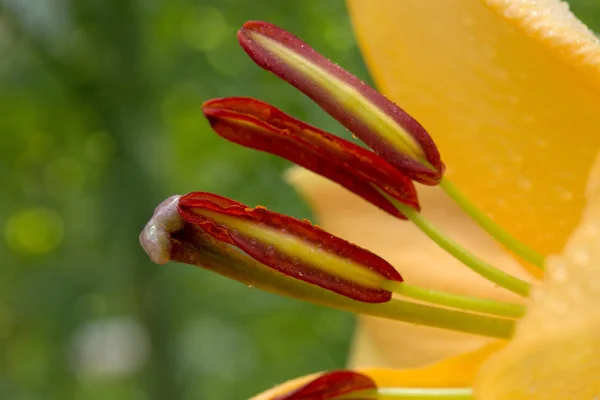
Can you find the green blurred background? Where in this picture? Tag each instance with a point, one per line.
(100, 122)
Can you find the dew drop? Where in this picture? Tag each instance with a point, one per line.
(580, 257)
(591, 231)
(515, 157)
(524, 184)
(270, 250)
(564, 194)
(490, 52)
(497, 171)
(512, 99)
(500, 74)
(467, 21)
(296, 261)
(532, 388)
(559, 274)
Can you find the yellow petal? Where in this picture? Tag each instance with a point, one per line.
(458, 371)
(510, 92)
(555, 353)
(390, 344)
(455, 372)
(284, 387)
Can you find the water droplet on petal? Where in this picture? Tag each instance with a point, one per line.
(524, 184)
(270, 250)
(580, 257)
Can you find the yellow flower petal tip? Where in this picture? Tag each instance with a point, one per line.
(555, 27)
(556, 350)
(509, 91)
(284, 387)
(456, 371)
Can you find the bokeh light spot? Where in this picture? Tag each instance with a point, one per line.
(6, 320)
(205, 28)
(109, 348)
(38, 147)
(99, 147)
(208, 345)
(228, 61)
(339, 35)
(64, 178)
(34, 231)
(27, 359)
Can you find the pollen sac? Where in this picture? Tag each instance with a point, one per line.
(291, 247)
(260, 126)
(335, 385)
(381, 124)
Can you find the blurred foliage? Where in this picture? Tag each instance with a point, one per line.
(100, 122)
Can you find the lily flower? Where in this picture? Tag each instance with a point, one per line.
(485, 324)
(509, 91)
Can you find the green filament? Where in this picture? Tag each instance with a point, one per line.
(476, 264)
(438, 317)
(497, 232)
(466, 303)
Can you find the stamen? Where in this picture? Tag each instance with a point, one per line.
(476, 264)
(467, 303)
(183, 241)
(438, 317)
(290, 246)
(342, 384)
(512, 243)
